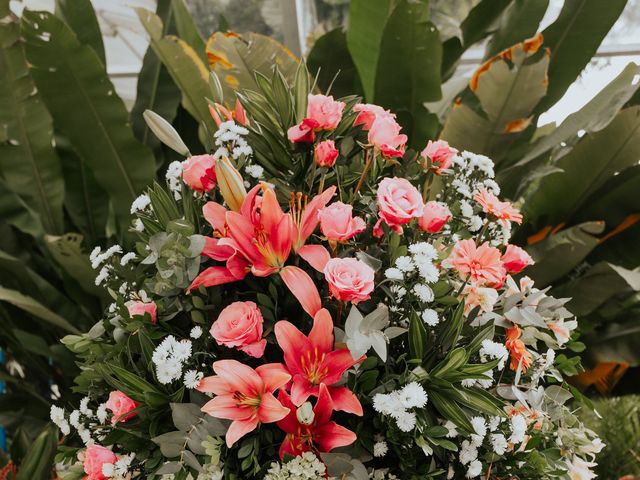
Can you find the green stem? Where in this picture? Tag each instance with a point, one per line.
(365, 170)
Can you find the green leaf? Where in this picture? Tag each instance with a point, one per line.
(85, 200)
(81, 17)
(519, 22)
(586, 168)
(448, 15)
(367, 19)
(594, 116)
(453, 361)
(573, 39)
(187, 28)
(14, 211)
(408, 69)
(38, 460)
(156, 90)
(558, 254)
(29, 164)
(417, 337)
(507, 91)
(236, 59)
(183, 64)
(69, 73)
(452, 328)
(450, 410)
(35, 308)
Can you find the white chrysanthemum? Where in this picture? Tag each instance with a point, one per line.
(101, 413)
(430, 317)
(103, 275)
(425, 249)
(413, 395)
(499, 443)
(468, 382)
(494, 350)
(192, 379)
(303, 467)
(122, 465)
(479, 425)
(84, 407)
(475, 469)
(518, 429)
(74, 418)
(494, 423)
(141, 203)
(256, 171)
(386, 403)
(492, 186)
(406, 421)
(468, 452)
(475, 223)
(485, 383)
(196, 332)
(424, 293)
(466, 209)
(427, 270)
(126, 258)
(398, 291)
(108, 470)
(405, 264)
(451, 427)
(138, 225)
(393, 274)
(380, 449)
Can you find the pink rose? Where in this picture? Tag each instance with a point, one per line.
(199, 172)
(399, 202)
(94, 458)
(441, 155)
(325, 110)
(120, 404)
(435, 215)
(326, 153)
(515, 259)
(240, 325)
(385, 135)
(140, 308)
(349, 279)
(367, 114)
(304, 132)
(337, 222)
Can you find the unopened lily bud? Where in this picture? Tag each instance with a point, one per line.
(230, 183)
(305, 414)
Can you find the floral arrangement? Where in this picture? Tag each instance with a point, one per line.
(315, 299)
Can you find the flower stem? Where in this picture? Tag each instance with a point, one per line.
(426, 186)
(365, 170)
(321, 186)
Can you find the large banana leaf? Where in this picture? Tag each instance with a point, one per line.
(508, 87)
(15, 212)
(447, 16)
(81, 17)
(586, 168)
(70, 74)
(408, 68)
(184, 65)
(156, 91)
(561, 252)
(28, 162)
(235, 59)
(364, 36)
(519, 22)
(617, 341)
(594, 116)
(187, 28)
(573, 39)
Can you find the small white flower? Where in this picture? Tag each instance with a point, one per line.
(468, 452)
(425, 249)
(138, 225)
(475, 469)
(518, 429)
(126, 258)
(451, 427)
(494, 351)
(413, 395)
(475, 223)
(101, 413)
(430, 317)
(192, 379)
(480, 428)
(380, 449)
(256, 171)
(196, 332)
(393, 274)
(108, 470)
(74, 418)
(424, 293)
(499, 443)
(141, 203)
(102, 275)
(406, 421)
(428, 271)
(405, 264)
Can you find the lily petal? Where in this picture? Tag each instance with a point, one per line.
(321, 335)
(270, 409)
(337, 362)
(274, 376)
(239, 428)
(323, 407)
(345, 400)
(293, 343)
(215, 214)
(302, 287)
(331, 435)
(225, 406)
(316, 255)
(212, 276)
(240, 377)
(213, 384)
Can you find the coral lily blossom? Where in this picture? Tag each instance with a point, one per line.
(244, 395)
(312, 362)
(319, 433)
(518, 350)
(259, 239)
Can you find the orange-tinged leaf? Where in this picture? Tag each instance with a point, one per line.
(628, 222)
(539, 236)
(518, 125)
(604, 376)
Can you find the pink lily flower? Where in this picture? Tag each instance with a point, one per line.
(219, 111)
(312, 362)
(244, 395)
(319, 430)
(259, 239)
